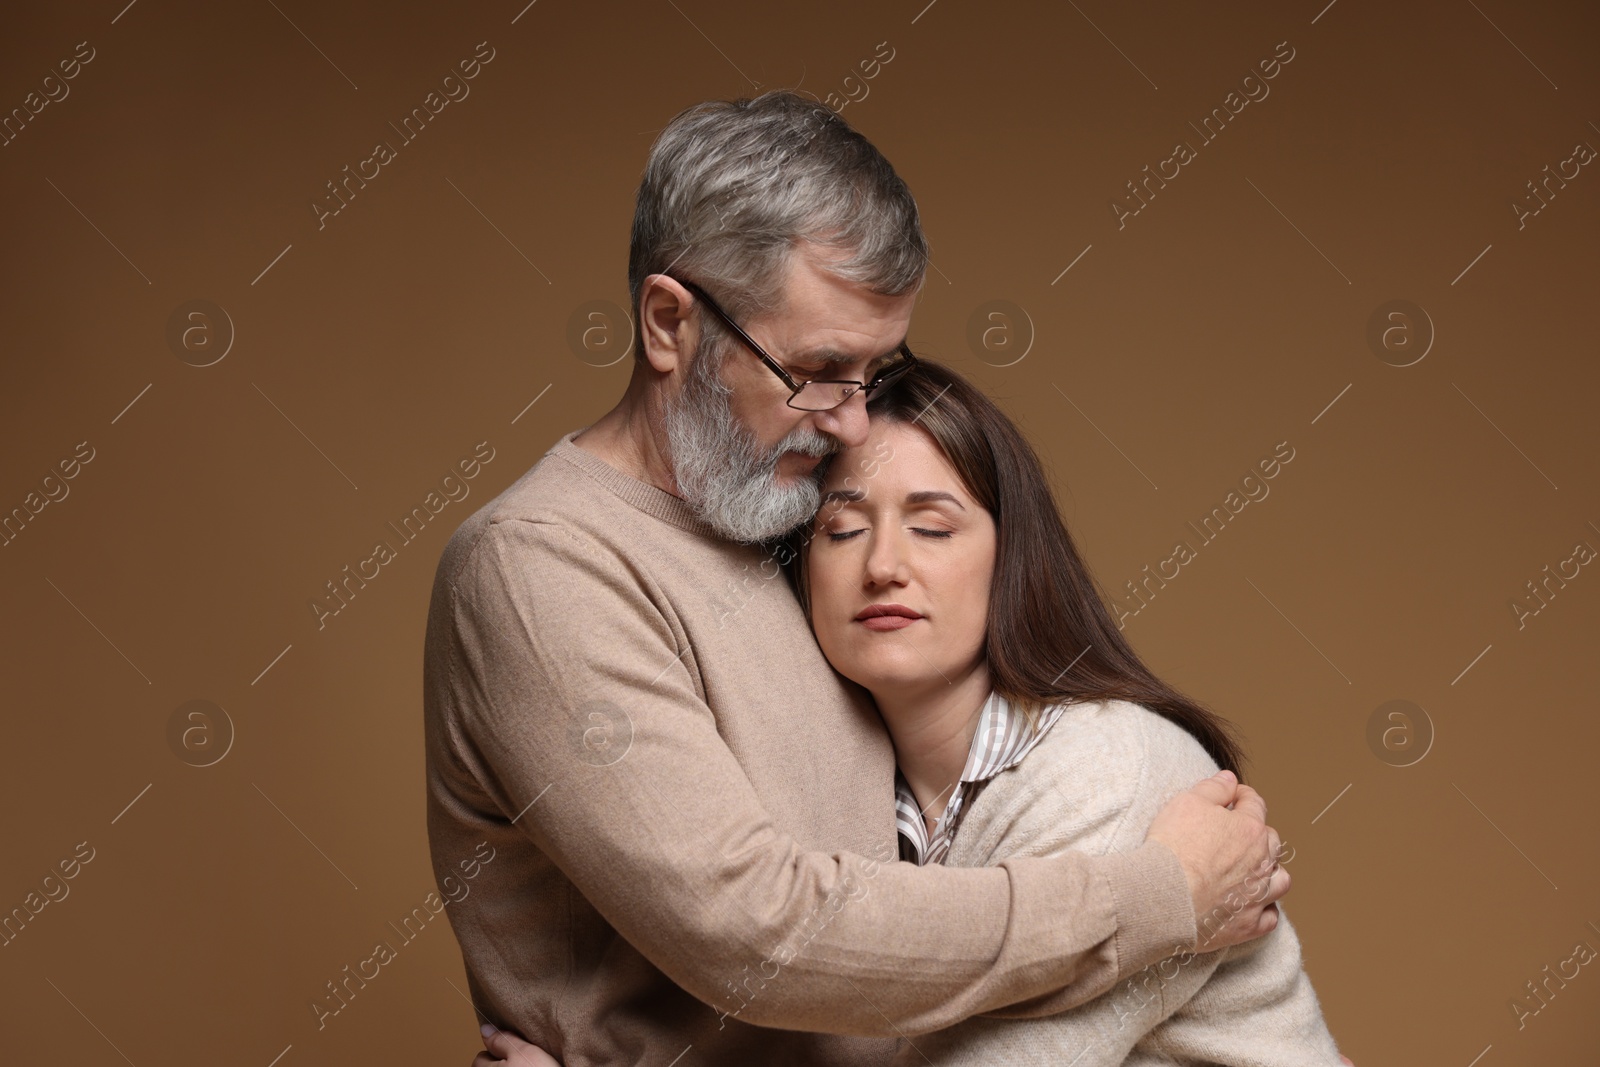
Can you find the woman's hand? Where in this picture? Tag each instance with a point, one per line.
(508, 1049)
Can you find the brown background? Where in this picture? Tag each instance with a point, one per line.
(369, 355)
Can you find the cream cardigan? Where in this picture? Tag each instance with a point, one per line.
(1094, 783)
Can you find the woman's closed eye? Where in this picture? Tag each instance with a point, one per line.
(845, 535)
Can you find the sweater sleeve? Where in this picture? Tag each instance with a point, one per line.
(1256, 1010)
(1095, 783)
(554, 646)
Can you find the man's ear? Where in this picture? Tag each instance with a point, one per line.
(666, 329)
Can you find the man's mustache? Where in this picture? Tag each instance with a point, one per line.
(817, 444)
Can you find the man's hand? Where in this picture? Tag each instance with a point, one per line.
(1229, 856)
(506, 1049)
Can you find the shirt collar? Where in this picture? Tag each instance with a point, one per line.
(1004, 735)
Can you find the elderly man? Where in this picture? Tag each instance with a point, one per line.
(692, 816)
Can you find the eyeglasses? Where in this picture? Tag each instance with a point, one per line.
(811, 395)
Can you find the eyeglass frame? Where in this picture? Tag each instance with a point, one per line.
(895, 371)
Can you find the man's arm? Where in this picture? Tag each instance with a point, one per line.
(671, 845)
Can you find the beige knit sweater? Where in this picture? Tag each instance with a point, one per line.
(693, 815)
(1094, 783)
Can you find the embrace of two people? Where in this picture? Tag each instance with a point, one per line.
(797, 723)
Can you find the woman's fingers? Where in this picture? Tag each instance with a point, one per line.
(511, 1050)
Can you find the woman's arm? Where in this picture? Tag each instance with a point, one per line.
(1094, 783)
(1256, 1007)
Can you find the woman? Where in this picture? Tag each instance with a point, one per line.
(938, 575)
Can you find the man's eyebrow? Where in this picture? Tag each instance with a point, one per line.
(827, 354)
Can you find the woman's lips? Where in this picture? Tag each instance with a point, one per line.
(887, 616)
(887, 622)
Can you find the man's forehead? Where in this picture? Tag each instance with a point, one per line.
(816, 302)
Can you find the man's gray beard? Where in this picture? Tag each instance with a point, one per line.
(722, 472)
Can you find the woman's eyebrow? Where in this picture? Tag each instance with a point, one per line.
(926, 496)
(921, 496)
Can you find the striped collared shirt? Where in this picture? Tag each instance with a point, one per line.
(1004, 735)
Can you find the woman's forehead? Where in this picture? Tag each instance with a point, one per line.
(894, 453)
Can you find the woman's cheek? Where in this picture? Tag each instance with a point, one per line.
(835, 645)
(828, 610)
(960, 596)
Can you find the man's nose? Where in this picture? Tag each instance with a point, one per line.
(848, 422)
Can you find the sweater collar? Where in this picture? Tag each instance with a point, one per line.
(642, 495)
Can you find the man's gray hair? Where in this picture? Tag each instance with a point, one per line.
(730, 187)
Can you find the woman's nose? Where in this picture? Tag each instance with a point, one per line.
(886, 560)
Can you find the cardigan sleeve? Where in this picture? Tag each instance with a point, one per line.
(1257, 1009)
(1095, 783)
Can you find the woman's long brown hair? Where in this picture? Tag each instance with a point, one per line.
(1050, 638)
